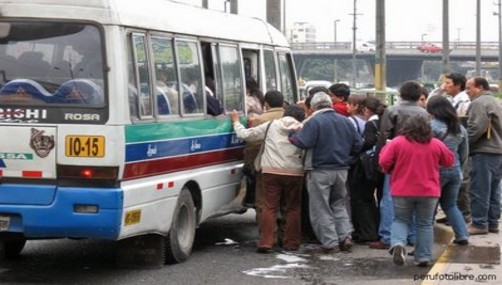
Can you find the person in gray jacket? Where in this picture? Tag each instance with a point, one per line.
(484, 128)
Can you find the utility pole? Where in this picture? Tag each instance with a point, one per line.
(499, 13)
(274, 14)
(380, 60)
(354, 51)
(446, 39)
(205, 4)
(478, 38)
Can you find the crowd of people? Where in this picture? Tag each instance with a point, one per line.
(338, 168)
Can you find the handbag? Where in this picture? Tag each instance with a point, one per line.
(369, 164)
(257, 160)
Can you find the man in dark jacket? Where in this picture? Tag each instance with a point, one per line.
(329, 139)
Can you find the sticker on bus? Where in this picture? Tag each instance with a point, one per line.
(84, 146)
(132, 217)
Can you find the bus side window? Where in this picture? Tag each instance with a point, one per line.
(140, 77)
(192, 90)
(231, 78)
(270, 71)
(287, 78)
(165, 75)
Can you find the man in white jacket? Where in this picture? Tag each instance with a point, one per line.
(282, 176)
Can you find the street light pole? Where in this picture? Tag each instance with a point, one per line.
(336, 21)
(423, 35)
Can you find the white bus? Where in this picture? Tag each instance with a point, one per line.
(104, 126)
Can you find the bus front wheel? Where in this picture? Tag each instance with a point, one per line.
(180, 239)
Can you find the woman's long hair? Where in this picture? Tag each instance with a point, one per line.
(443, 110)
(417, 129)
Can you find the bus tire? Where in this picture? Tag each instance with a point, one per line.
(179, 241)
(13, 248)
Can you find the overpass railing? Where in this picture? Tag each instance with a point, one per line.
(392, 45)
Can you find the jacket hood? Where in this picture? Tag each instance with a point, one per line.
(288, 124)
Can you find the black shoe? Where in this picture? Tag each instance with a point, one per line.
(461, 242)
(442, 220)
(346, 244)
(493, 230)
(264, 250)
(398, 255)
(422, 263)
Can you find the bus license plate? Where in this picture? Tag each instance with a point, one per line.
(4, 223)
(133, 217)
(85, 146)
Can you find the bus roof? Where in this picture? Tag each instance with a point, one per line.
(161, 15)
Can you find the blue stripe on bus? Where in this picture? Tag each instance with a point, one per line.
(59, 218)
(185, 146)
(2, 164)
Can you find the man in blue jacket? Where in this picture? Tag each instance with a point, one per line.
(329, 139)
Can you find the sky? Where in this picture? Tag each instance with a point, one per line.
(406, 20)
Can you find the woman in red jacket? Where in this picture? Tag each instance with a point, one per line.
(414, 158)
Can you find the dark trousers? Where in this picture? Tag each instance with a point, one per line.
(275, 188)
(364, 200)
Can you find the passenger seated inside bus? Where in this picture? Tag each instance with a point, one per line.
(213, 104)
(32, 64)
(170, 92)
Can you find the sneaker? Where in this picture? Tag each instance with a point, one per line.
(493, 230)
(398, 253)
(378, 245)
(476, 231)
(461, 242)
(346, 244)
(322, 250)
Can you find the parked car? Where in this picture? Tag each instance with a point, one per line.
(429, 48)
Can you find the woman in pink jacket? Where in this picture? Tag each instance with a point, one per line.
(414, 158)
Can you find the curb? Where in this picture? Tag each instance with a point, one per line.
(483, 250)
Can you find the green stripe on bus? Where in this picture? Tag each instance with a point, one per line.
(174, 130)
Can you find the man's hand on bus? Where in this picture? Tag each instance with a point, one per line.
(235, 117)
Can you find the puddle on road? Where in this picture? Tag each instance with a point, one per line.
(308, 268)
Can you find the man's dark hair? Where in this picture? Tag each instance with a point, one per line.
(296, 112)
(410, 90)
(458, 79)
(274, 99)
(340, 90)
(481, 81)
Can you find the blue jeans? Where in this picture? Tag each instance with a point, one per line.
(451, 179)
(387, 215)
(423, 209)
(485, 190)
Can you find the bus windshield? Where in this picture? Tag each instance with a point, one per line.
(45, 63)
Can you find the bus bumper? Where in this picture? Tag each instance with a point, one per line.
(64, 216)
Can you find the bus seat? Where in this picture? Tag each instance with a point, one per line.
(78, 91)
(24, 91)
(163, 106)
